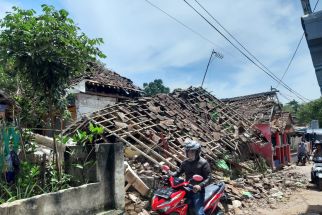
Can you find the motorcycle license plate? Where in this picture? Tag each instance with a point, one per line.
(164, 192)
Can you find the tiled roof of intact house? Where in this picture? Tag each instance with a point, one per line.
(98, 75)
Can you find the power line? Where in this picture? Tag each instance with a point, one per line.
(285, 97)
(234, 38)
(295, 52)
(292, 58)
(184, 25)
(268, 72)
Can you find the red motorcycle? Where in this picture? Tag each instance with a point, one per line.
(172, 199)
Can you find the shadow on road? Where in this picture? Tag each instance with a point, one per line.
(313, 187)
(314, 209)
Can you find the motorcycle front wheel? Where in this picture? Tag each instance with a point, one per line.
(320, 184)
(219, 211)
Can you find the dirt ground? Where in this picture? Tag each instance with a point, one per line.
(307, 201)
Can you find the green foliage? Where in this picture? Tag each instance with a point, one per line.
(45, 52)
(28, 183)
(83, 137)
(96, 129)
(55, 182)
(7, 80)
(310, 111)
(80, 137)
(307, 112)
(155, 87)
(292, 107)
(214, 116)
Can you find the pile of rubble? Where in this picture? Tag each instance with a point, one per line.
(135, 205)
(248, 193)
(154, 129)
(264, 190)
(257, 108)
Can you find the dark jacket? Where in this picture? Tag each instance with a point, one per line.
(198, 167)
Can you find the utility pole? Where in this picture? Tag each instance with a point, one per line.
(218, 55)
(306, 7)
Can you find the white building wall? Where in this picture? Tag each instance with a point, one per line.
(86, 103)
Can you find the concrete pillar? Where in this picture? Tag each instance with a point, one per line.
(104, 171)
(110, 173)
(119, 192)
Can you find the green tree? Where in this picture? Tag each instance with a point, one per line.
(292, 106)
(46, 51)
(155, 87)
(310, 111)
(8, 80)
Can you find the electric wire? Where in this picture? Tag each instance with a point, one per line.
(235, 39)
(184, 25)
(268, 72)
(295, 52)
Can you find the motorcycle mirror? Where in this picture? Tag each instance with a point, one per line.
(165, 168)
(197, 178)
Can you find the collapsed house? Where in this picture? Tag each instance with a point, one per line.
(156, 127)
(98, 88)
(264, 111)
(153, 130)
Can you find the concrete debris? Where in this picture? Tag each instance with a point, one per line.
(134, 205)
(236, 204)
(154, 129)
(134, 180)
(272, 189)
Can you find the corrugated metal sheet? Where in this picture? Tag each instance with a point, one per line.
(312, 26)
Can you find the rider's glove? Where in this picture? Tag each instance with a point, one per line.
(196, 188)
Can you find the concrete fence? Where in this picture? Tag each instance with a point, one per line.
(107, 193)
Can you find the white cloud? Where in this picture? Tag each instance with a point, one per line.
(143, 43)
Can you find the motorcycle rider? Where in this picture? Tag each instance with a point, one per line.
(318, 152)
(301, 150)
(195, 164)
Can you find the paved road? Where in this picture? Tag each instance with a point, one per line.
(308, 201)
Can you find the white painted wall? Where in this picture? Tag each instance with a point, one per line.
(86, 103)
(79, 87)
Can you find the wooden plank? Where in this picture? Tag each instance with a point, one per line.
(131, 145)
(156, 145)
(153, 152)
(134, 180)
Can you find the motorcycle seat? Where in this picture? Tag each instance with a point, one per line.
(210, 190)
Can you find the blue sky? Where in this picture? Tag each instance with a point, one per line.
(143, 44)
